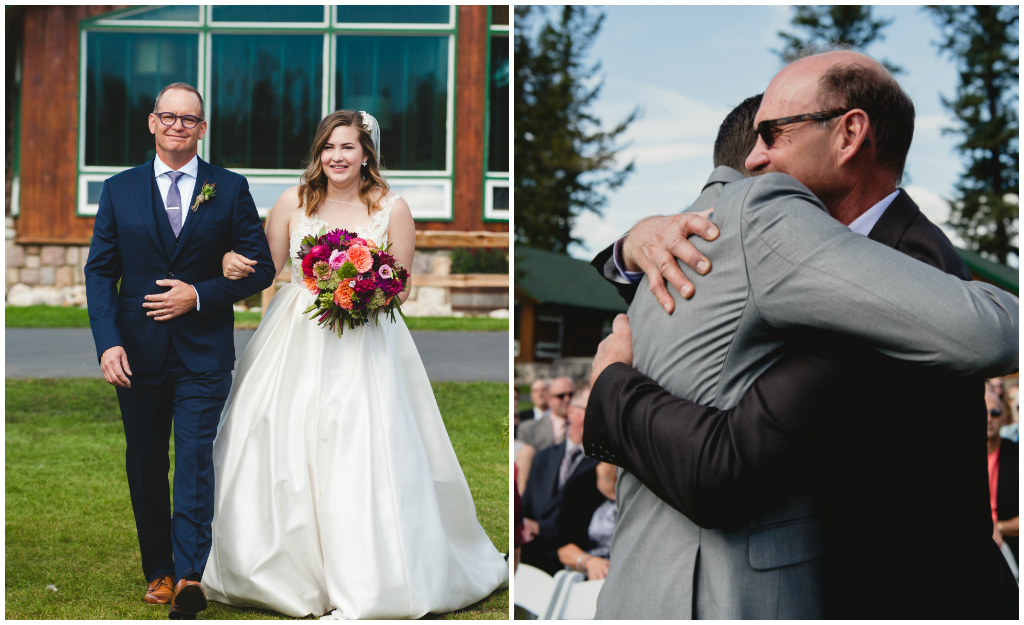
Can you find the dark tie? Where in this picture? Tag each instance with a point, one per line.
(174, 203)
(567, 466)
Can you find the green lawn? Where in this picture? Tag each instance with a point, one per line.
(73, 317)
(69, 518)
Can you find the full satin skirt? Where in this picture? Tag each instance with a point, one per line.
(337, 488)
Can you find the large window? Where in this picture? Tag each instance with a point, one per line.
(269, 74)
(496, 181)
(403, 82)
(124, 71)
(265, 103)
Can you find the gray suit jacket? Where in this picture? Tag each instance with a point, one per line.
(780, 263)
(537, 433)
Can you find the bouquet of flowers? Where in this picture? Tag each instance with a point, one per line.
(353, 280)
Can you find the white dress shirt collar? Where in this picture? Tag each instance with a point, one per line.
(191, 168)
(867, 221)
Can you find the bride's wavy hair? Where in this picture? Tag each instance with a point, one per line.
(313, 185)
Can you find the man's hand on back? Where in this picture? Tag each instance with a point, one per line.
(654, 244)
(616, 347)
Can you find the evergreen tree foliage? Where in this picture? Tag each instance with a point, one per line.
(563, 159)
(823, 25)
(984, 42)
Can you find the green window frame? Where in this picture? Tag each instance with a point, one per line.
(497, 193)
(429, 193)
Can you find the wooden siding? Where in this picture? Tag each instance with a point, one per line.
(49, 123)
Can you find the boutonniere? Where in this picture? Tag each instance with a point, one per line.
(207, 192)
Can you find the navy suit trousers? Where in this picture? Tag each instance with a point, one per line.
(180, 545)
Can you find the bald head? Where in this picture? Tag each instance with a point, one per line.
(847, 80)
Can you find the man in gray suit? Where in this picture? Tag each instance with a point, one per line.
(783, 263)
(550, 430)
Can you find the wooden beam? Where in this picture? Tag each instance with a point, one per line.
(51, 241)
(426, 239)
(527, 330)
(499, 280)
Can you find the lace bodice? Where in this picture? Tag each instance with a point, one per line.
(376, 231)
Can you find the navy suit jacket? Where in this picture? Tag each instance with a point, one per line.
(133, 242)
(542, 499)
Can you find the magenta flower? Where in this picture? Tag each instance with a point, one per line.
(385, 272)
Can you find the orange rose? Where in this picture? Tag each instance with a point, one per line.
(361, 258)
(373, 246)
(343, 295)
(310, 283)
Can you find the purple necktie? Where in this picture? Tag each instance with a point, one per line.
(174, 203)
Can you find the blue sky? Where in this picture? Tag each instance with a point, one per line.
(688, 66)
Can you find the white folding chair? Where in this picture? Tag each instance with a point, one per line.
(577, 600)
(534, 590)
(1008, 554)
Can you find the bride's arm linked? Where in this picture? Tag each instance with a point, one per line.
(402, 236)
(236, 266)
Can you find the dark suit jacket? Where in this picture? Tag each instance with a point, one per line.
(133, 242)
(580, 501)
(1008, 489)
(904, 508)
(542, 502)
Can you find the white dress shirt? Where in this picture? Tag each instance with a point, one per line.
(186, 187)
(861, 225)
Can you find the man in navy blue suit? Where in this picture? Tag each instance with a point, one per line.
(165, 338)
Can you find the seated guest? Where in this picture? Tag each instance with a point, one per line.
(587, 523)
(1011, 404)
(524, 455)
(539, 397)
(554, 470)
(520, 528)
(1003, 478)
(550, 430)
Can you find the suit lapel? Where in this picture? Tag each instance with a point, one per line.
(144, 202)
(894, 221)
(204, 175)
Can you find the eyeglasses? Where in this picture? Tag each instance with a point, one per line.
(563, 395)
(995, 412)
(764, 129)
(188, 121)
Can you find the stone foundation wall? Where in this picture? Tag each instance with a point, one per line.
(43, 274)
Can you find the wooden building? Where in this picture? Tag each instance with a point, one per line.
(81, 81)
(563, 308)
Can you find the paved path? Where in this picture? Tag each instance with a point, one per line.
(71, 353)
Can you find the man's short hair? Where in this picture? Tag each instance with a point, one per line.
(889, 108)
(874, 91)
(184, 86)
(736, 136)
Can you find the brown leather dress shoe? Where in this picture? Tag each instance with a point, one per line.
(160, 590)
(189, 599)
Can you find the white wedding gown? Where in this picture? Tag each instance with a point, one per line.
(337, 489)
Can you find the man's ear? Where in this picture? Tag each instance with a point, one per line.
(152, 124)
(854, 130)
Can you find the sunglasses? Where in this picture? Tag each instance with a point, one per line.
(995, 412)
(563, 395)
(764, 129)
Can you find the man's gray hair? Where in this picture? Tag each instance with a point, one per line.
(184, 86)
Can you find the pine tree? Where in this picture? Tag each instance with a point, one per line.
(563, 160)
(984, 42)
(823, 25)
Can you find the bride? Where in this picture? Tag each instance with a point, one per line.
(338, 491)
